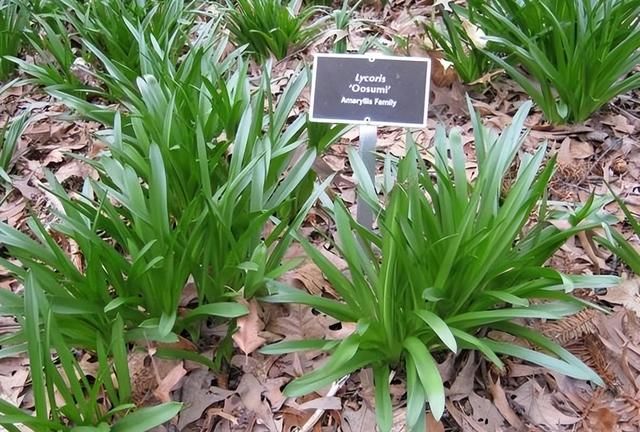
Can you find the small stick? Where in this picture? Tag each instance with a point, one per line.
(318, 414)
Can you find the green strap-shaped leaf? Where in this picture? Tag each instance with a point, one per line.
(475, 343)
(222, 309)
(439, 327)
(428, 373)
(384, 412)
(543, 360)
(344, 360)
(415, 397)
(147, 418)
(286, 347)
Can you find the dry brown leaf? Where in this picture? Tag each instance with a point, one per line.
(620, 123)
(293, 419)
(519, 370)
(198, 394)
(13, 377)
(309, 277)
(169, 383)
(302, 323)
(564, 152)
(23, 185)
(462, 387)
(361, 420)
(486, 413)
(273, 392)
(247, 337)
(447, 368)
(502, 404)
(466, 423)
(581, 149)
(626, 294)
(58, 153)
(442, 72)
(336, 163)
(12, 212)
(147, 372)
(538, 406)
(366, 389)
(75, 168)
(577, 392)
(250, 392)
(589, 247)
(453, 98)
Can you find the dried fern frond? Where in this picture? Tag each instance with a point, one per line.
(572, 328)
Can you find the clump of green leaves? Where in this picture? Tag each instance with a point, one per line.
(459, 48)
(56, 53)
(115, 26)
(135, 262)
(73, 35)
(210, 194)
(9, 136)
(617, 243)
(571, 57)
(221, 150)
(270, 27)
(64, 397)
(450, 258)
(14, 21)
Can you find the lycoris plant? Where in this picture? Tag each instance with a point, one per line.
(617, 243)
(209, 195)
(74, 34)
(54, 48)
(270, 27)
(459, 48)
(571, 57)
(9, 136)
(14, 21)
(114, 27)
(135, 260)
(222, 153)
(65, 398)
(451, 257)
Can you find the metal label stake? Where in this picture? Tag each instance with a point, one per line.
(368, 138)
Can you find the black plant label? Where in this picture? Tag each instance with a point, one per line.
(365, 89)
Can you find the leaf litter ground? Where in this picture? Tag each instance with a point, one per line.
(246, 394)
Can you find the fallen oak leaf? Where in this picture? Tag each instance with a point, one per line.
(147, 373)
(502, 404)
(362, 420)
(250, 392)
(463, 384)
(465, 422)
(626, 294)
(198, 395)
(13, 378)
(537, 404)
(486, 413)
(169, 383)
(247, 337)
(273, 392)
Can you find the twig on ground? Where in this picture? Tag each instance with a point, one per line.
(318, 414)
